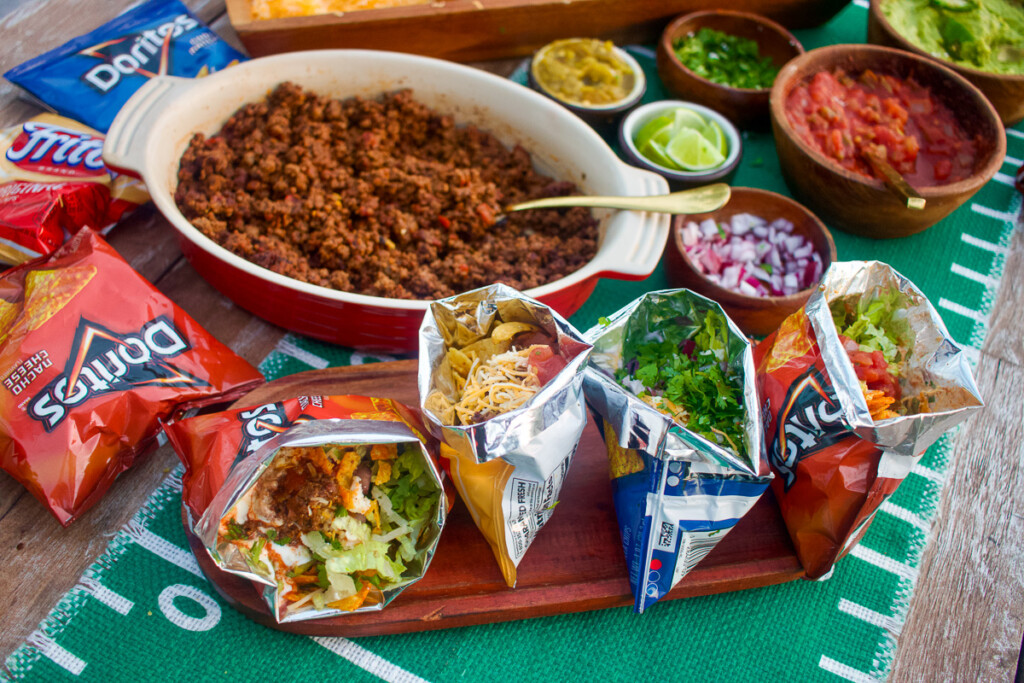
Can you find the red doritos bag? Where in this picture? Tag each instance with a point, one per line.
(210, 445)
(92, 356)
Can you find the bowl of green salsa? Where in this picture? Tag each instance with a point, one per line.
(725, 60)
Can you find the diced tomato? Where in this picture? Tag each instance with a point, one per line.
(841, 116)
(547, 362)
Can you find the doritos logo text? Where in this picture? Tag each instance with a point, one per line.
(101, 362)
(145, 53)
(262, 423)
(809, 421)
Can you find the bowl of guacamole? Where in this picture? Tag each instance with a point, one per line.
(982, 40)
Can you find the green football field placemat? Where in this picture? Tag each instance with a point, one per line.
(144, 612)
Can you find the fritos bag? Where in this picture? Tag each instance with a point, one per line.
(332, 504)
(847, 417)
(92, 356)
(53, 181)
(680, 482)
(508, 462)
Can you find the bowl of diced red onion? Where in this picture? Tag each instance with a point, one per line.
(760, 256)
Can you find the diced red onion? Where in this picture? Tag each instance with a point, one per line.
(752, 256)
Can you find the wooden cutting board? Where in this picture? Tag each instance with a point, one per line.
(575, 564)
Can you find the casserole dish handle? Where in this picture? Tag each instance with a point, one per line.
(124, 149)
(640, 252)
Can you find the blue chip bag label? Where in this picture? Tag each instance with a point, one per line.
(91, 77)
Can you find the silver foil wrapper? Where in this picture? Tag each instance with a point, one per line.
(246, 473)
(834, 464)
(537, 440)
(677, 494)
(936, 360)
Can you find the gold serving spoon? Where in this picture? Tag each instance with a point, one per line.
(896, 183)
(696, 200)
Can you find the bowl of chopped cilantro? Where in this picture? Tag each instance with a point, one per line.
(725, 60)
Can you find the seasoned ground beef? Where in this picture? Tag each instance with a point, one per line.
(382, 197)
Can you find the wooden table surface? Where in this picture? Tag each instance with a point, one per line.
(966, 618)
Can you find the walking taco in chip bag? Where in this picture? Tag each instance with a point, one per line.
(855, 387)
(334, 507)
(92, 357)
(500, 380)
(672, 379)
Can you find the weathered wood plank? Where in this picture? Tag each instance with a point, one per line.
(1004, 339)
(965, 621)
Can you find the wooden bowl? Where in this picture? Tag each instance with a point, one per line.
(863, 205)
(1004, 91)
(747, 108)
(756, 316)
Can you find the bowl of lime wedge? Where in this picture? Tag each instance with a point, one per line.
(687, 143)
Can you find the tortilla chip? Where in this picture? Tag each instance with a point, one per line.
(47, 292)
(878, 405)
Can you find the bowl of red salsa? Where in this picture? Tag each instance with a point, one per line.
(834, 107)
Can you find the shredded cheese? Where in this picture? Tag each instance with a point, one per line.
(501, 383)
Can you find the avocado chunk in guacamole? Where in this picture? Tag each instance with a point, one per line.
(978, 34)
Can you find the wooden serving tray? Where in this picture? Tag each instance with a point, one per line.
(473, 30)
(575, 564)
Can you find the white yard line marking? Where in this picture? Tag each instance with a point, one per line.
(960, 309)
(163, 548)
(114, 601)
(1005, 179)
(844, 671)
(870, 616)
(879, 560)
(981, 278)
(983, 244)
(289, 348)
(992, 213)
(930, 475)
(1013, 161)
(55, 653)
(907, 516)
(861, 3)
(1015, 133)
(366, 660)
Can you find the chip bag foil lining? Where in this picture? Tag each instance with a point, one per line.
(676, 493)
(834, 464)
(247, 472)
(509, 469)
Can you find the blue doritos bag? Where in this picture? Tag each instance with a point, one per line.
(90, 77)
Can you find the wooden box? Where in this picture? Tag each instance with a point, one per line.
(476, 30)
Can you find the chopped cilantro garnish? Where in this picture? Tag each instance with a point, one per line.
(604, 321)
(254, 552)
(688, 368)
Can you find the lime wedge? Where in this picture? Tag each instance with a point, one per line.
(650, 129)
(716, 136)
(684, 117)
(693, 152)
(655, 152)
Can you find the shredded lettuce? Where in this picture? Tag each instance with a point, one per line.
(876, 324)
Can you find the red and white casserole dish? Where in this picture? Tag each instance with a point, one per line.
(153, 129)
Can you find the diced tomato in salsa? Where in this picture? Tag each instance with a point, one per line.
(842, 117)
(871, 368)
